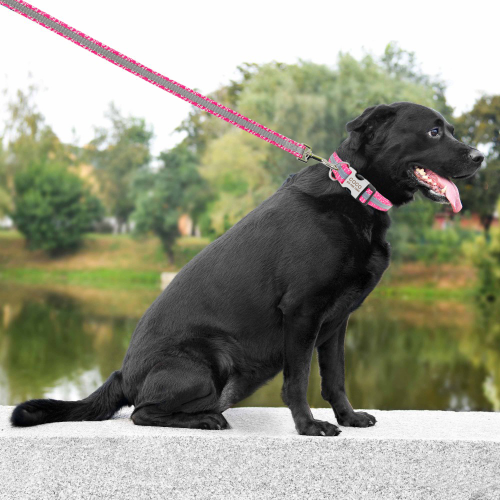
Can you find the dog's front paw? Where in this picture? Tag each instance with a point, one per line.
(357, 419)
(318, 428)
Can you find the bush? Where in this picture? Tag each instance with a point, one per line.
(53, 208)
(444, 245)
(484, 253)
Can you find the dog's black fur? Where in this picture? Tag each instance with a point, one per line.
(280, 283)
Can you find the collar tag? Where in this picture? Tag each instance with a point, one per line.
(356, 184)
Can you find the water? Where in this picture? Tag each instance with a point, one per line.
(400, 353)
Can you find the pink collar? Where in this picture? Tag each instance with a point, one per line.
(359, 187)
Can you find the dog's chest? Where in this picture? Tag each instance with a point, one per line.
(360, 279)
(376, 264)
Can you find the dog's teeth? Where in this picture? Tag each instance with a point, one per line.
(444, 190)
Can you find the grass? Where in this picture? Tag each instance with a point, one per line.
(120, 262)
(100, 252)
(94, 278)
(422, 293)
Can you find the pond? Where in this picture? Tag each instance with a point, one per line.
(400, 353)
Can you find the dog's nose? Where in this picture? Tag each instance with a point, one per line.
(476, 156)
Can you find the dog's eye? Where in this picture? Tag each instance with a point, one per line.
(434, 132)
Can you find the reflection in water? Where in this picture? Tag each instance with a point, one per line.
(48, 346)
(399, 354)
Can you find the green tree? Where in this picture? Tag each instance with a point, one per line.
(26, 141)
(305, 101)
(163, 196)
(118, 154)
(481, 126)
(53, 208)
(5, 197)
(239, 183)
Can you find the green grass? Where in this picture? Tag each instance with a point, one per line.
(422, 292)
(96, 278)
(120, 262)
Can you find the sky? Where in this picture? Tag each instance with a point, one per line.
(200, 44)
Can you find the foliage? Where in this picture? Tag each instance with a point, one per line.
(5, 198)
(118, 154)
(25, 141)
(484, 253)
(163, 196)
(233, 167)
(403, 64)
(481, 126)
(407, 228)
(413, 238)
(53, 208)
(304, 101)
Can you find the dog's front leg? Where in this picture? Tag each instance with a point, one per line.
(300, 334)
(332, 370)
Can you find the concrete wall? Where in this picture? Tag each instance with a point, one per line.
(408, 454)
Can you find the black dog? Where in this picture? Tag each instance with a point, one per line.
(280, 283)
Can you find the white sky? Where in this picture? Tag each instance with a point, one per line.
(200, 43)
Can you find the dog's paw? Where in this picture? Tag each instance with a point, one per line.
(318, 428)
(357, 419)
(212, 421)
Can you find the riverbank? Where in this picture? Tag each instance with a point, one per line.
(120, 262)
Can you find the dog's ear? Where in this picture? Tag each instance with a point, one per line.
(363, 128)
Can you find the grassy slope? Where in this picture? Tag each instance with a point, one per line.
(104, 261)
(109, 262)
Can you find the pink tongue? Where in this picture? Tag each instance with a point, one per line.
(451, 193)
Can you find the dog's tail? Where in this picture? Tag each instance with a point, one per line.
(100, 405)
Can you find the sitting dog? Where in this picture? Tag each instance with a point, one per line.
(280, 283)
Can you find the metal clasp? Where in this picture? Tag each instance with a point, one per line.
(308, 154)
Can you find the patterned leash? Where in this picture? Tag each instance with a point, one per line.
(361, 189)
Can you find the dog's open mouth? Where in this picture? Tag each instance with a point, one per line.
(439, 186)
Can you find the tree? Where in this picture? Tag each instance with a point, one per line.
(481, 126)
(163, 196)
(25, 141)
(53, 208)
(5, 198)
(306, 102)
(233, 165)
(118, 154)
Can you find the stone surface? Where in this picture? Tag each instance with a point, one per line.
(408, 454)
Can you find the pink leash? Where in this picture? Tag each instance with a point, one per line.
(361, 189)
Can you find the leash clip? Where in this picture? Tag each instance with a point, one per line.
(356, 184)
(308, 154)
(330, 165)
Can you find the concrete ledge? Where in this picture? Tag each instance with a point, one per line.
(408, 454)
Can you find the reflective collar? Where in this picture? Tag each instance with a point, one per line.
(359, 187)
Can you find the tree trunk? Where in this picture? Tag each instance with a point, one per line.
(167, 247)
(486, 221)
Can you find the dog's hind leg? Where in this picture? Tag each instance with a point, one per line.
(179, 392)
(332, 369)
(157, 415)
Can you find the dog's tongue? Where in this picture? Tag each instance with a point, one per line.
(451, 193)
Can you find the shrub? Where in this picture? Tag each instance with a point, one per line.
(484, 253)
(53, 208)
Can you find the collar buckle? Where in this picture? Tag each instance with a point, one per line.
(356, 184)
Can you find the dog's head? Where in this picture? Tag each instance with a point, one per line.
(404, 147)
